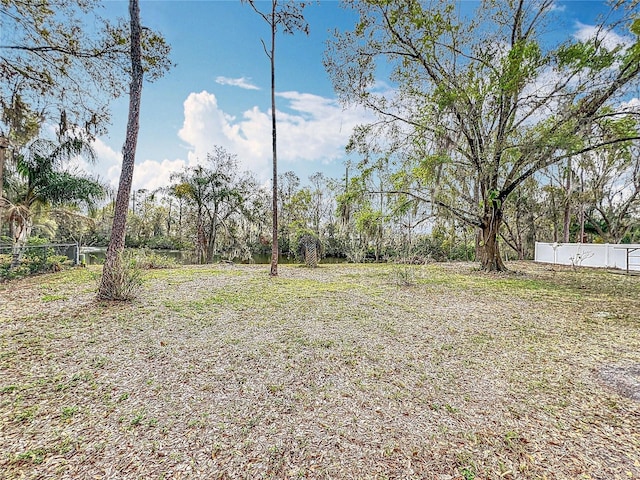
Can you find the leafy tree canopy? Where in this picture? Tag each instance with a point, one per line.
(481, 103)
(61, 61)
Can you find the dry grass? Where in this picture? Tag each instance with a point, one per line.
(335, 372)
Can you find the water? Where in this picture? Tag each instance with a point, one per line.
(96, 256)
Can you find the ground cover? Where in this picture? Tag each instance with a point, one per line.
(344, 371)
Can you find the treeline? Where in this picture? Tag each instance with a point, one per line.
(494, 136)
(219, 212)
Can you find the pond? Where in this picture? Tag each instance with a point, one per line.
(96, 256)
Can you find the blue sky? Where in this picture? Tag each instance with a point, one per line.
(219, 91)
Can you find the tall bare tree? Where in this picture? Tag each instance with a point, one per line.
(111, 281)
(288, 15)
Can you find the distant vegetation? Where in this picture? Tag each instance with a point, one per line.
(495, 135)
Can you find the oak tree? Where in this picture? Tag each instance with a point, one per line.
(480, 103)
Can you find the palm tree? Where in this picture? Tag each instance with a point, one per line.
(216, 193)
(41, 181)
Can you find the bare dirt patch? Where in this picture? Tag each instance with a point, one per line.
(625, 379)
(334, 372)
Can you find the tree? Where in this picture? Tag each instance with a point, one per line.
(216, 192)
(522, 217)
(481, 102)
(61, 63)
(112, 279)
(4, 145)
(65, 62)
(288, 15)
(23, 126)
(320, 201)
(611, 198)
(41, 181)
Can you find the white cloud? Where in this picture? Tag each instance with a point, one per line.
(105, 153)
(206, 125)
(318, 129)
(556, 7)
(609, 38)
(632, 105)
(149, 174)
(310, 128)
(152, 174)
(241, 82)
(108, 162)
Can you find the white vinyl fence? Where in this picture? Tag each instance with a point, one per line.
(621, 256)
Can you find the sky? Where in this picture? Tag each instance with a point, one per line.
(219, 91)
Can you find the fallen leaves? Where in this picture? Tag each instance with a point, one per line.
(334, 372)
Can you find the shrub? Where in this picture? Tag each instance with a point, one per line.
(124, 282)
(37, 258)
(146, 260)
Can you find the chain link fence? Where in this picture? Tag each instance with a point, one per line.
(69, 250)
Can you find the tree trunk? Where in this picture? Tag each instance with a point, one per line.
(112, 279)
(20, 232)
(567, 205)
(274, 244)
(200, 241)
(554, 217)
(211, 241)
(4, 145)
(490, 259)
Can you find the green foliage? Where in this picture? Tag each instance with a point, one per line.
(163, 242)
(37, 258)
(369, 221)
(439, 247)
(22, 122)
(41, 169)
(35, 456)
(125, 279)
(521, 64)
(150, 260)
(68, 412)
(8, 273)
(586, 55)
(468, 473)
(494, 199)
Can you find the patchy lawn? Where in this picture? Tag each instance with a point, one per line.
(336, 372)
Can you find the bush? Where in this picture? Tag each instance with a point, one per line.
(124, 281)
(436, 248)
(37, 258)
(127, 279)
(163, 242)
(403, 274)
(7, 273)
(146, 260)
